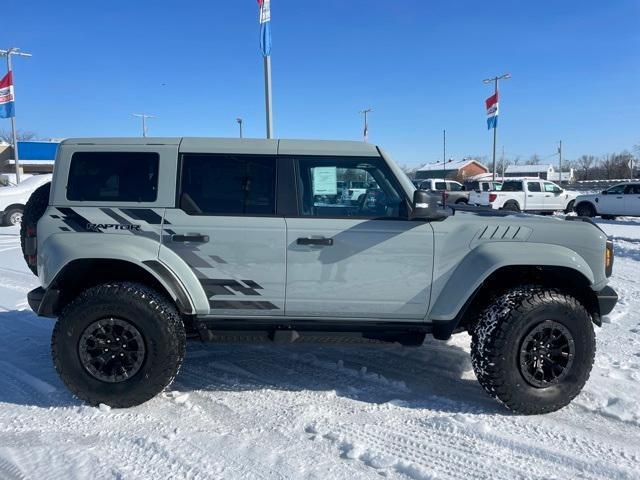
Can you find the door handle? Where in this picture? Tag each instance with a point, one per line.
(619, 197)
(324, 242)
(191, 237)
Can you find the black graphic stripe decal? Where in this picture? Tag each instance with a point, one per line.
(224, 286)
(115, 216)
(144, 214)
(76, 221)
(242, 304)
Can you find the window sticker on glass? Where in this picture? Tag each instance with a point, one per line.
(325, 181)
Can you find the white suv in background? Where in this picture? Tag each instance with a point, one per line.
(14, 197)
(621, 199)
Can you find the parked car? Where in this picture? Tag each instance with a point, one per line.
(452, 192)
(621, 199)
(529, 195)
(476, 187)
(14, 197)
(143, 243)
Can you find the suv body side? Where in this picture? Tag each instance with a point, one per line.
(288, 265)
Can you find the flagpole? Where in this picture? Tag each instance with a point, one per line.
(495, 80)
(14, 131)
(495, 133)
(267, 95)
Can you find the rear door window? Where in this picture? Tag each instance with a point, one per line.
(534, 186)
(113, 177)
(512, 186)
(228, 185)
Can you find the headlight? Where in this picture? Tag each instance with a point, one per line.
(608, 258)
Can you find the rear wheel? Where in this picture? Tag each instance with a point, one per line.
(585, 210)
(533, 349)
(13, 216)
(511, 206)
(119, 344)
(33, 211)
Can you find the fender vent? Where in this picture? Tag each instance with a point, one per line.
(505, 233)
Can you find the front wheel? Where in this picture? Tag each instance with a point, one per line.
(585, 210)
(533, 348)
(119, 344)
(570, 206)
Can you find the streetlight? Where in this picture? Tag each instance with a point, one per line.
(366, 112)
(144, 117)
(495, 81)
(239, 120)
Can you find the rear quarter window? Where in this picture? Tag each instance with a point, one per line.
(113, 177)
(512, 186)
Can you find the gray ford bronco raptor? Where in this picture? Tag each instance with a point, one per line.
(142, 243)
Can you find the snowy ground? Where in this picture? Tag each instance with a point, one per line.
(318, 412)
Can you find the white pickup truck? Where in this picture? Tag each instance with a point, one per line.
(529, 195)
(477, 187)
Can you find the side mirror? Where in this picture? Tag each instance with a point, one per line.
(425, 205)
(604, 192)
(463, 188)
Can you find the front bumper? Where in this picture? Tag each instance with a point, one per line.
(607, 299)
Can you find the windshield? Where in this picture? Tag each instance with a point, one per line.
(405, 182)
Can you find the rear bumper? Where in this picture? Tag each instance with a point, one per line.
(607, 299)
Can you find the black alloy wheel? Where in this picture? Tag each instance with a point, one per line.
(112, 350)
(546, 354)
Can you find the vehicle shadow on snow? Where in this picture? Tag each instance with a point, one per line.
(436, 376)
(27, 375)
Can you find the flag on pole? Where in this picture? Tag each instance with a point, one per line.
(7, 109)
(265, 27)
(366, 131)
(492, 111)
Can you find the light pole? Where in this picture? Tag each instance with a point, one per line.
(144, 117)
(444, 154)
(14, 133)
(239, 120)
(366, 112)
(560, 160)
(495, 81)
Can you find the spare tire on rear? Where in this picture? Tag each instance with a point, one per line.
(33, 211)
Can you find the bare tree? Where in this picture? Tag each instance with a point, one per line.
(22, 136)
(534, 159)
(585, 163)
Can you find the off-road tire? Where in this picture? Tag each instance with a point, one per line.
(585, 209)
(570, 206)
(150, 313)
(462, 201)
(497, 338)
(33, 211)
(511, 206)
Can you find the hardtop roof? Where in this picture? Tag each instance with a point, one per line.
(254, 146)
